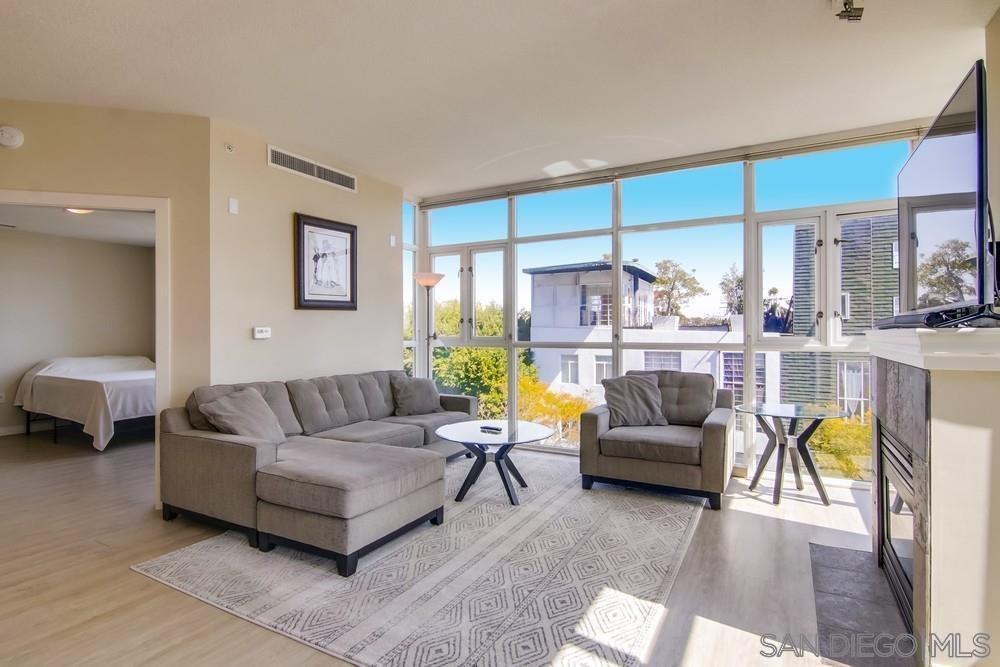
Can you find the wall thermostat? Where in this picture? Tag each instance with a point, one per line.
(260, 333)
(11, 137)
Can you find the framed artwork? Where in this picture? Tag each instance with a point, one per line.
(326, 264)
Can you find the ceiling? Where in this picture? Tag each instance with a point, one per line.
(447, 95)
(126, 227)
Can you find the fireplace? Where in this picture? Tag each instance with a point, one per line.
(901, 492)
(897, 525)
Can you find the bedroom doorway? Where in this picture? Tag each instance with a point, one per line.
(120, 312)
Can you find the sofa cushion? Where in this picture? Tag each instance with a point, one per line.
(687, 398)
(415, 396)
(430, 422)
(670, 444)
(275, 394)
(634, 400)
(318, 404)
(376, 387)
(345, 479)
(243, 412)
(386, 433)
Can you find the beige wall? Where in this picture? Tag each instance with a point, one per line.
(110, 151)
(252, 274)
(70, 297)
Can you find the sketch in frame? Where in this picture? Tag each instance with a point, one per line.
(326, 269)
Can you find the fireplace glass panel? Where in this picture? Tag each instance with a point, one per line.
(899, 527)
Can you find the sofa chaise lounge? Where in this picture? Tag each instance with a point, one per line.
(348, 475)
(692, 454)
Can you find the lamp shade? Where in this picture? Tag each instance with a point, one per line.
(427, 279)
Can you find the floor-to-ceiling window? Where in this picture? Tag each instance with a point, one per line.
(409, 223)
(763, 273)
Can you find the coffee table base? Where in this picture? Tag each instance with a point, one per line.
(797, 448)
(504, 465)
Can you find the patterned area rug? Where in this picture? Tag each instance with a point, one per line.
(568, 577)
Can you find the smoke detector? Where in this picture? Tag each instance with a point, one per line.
(11, 137)
(850, 12)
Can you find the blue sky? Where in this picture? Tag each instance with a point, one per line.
(831, 177)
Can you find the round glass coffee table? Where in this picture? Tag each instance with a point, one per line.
(796, 443)
(479, 442)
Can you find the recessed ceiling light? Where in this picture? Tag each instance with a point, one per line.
(80, 211)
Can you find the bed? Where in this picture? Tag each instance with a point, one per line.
(93, 391)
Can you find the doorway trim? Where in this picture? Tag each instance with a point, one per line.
(160, 207)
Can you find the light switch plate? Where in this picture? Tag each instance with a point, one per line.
(392, 240)
(260, 333)
(234, 205)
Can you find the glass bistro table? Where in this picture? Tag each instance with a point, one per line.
(796, 443)
(479, 442)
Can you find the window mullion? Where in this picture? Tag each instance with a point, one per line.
(616, 278)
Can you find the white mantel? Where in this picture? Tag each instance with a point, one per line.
(938, 349)
(963, 475)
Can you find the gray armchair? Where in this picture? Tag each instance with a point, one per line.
(693, 454)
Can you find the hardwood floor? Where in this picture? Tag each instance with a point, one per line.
(73, 520)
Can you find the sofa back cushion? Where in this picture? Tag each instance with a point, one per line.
(275, 394)
(338, 400)
(319, 404)
(244, 412)
(687, 398)
(377, 390)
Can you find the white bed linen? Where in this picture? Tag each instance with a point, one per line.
(93, 391)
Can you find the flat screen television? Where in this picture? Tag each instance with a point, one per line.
(946, 267)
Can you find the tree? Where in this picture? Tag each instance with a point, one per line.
(948, 273)
(732, 291)
(674, 287)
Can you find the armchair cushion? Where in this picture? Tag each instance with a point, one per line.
(669, 444)
(633, 400)
(687, 398)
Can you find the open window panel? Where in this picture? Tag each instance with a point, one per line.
(486, 277)
(447, 299)
(789, 262)
(469, 302)
(866, 247)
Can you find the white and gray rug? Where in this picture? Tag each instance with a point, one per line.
(568, 577)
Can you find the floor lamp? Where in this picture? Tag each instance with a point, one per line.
(427, 280)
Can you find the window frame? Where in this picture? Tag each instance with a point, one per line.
(571, 362)
(751, 344)
(667, 367)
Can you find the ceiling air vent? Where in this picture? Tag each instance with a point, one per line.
(281, 159)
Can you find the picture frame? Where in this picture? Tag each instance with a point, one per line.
(326, 264)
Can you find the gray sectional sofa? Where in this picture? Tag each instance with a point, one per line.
(693, 453)
(348, 475)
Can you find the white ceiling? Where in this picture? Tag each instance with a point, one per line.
(447, 95)
(127, 227)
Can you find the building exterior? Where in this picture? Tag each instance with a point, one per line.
(572, 303)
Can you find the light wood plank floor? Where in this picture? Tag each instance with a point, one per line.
(73, 520)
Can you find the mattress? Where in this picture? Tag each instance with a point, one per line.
(93, 391)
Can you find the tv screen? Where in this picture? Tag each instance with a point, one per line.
(943, 221)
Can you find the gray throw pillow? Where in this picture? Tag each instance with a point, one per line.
(244, 412)
(415, 396)
(634, 400)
